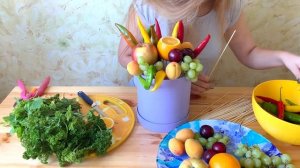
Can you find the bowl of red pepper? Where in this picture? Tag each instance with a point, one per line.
(276, 106)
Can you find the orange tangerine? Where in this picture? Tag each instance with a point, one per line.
(186, 45)
(166, 44)
(224, 160)
(109, 122)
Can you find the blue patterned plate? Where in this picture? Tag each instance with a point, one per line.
(236, 132)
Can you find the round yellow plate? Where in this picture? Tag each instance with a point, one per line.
(119, 111)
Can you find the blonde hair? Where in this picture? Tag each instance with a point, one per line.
(177, 9)
(187, 10)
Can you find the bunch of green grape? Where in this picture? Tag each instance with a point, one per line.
(191, 68)
(217, 137)
(254, 157)
(144, 65)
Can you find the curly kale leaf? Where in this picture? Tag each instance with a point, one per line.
(54, 126)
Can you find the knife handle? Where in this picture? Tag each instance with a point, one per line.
(85, 97)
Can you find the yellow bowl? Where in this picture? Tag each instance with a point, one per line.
(277, 128)
(166, 44)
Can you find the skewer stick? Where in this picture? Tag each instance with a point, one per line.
(214, 68)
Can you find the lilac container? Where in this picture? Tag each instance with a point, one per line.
(165, 108)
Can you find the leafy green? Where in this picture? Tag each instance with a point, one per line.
(54, 126)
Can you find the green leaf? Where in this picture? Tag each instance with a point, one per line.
(36, 104)
(69, 112)
(54, 126)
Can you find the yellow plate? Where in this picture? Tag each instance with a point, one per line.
(119, 111)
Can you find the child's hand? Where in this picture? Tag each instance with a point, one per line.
(292, 62)
(203, 84)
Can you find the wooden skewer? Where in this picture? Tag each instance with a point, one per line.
(212, 71)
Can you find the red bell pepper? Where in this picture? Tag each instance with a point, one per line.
(202, 45)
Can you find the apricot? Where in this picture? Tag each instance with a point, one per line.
(193, 148)
(173, 70)
(193, 163)
(185, 134)
(133, 68)
(176, 147)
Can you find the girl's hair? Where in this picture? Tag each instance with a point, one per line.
(186, 10)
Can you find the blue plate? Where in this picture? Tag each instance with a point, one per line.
(236, 132)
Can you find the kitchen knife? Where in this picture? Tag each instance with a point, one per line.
(90, 102)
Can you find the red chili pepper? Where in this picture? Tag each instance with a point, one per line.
(157, 29)
(201, 46)
(267, 99)
(280, 107)
(180, 33)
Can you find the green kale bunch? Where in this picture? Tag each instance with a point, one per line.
(55, 126)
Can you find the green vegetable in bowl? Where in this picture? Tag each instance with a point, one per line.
(54, 126)
(288, 116)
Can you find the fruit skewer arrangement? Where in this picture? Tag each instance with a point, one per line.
(158, 58)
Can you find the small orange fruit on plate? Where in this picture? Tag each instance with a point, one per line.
(109, 122)
(224, 160)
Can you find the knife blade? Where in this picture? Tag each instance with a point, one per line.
(90, 102)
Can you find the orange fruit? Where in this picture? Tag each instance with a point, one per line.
(187, 45)
(224, 160)
(165, 45)
(133, 68)
(108, 122)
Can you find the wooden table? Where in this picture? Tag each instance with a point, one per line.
(140, 149)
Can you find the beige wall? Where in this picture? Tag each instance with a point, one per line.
(76, 42)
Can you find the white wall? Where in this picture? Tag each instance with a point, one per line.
(76, 42)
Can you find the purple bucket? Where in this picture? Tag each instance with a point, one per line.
(165, 108)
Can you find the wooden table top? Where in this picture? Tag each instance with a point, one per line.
(140, 149)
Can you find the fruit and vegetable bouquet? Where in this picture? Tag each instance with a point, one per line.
(158, 58)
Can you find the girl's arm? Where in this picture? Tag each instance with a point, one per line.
(254, 57)
(124, 51)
